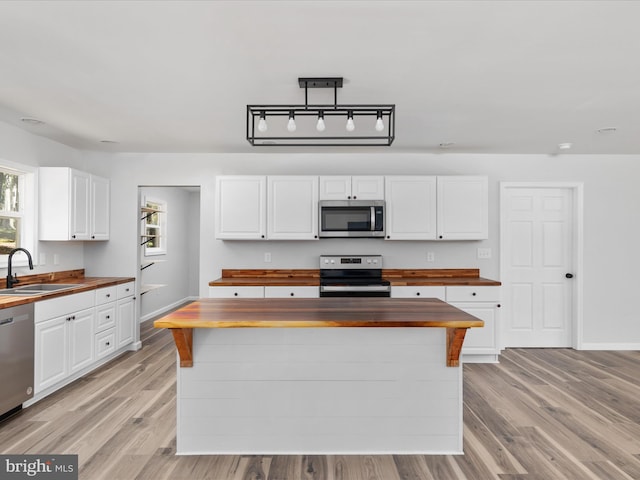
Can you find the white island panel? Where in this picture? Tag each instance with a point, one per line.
(319, 391)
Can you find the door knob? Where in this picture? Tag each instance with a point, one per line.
(569, 275)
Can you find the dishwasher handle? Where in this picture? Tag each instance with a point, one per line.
(6, 321)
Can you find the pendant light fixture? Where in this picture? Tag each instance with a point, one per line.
(321, 124)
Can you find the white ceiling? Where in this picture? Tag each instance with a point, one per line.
(165, 76)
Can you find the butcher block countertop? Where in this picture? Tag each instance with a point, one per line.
(317, 313)
(311, 278)
(75, 277)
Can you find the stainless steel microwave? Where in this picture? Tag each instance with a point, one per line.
(351, 218)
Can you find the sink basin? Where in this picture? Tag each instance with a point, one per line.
(36, 288)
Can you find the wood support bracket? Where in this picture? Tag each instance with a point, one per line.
(183, 338)
(455, 338)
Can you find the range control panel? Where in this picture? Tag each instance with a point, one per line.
(350, 261)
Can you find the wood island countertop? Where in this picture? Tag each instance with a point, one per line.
(311, 278)
(318, 313)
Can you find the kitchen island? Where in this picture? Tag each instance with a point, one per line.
(327, 375)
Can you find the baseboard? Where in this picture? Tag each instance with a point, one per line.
(167, 308)
(609, 346)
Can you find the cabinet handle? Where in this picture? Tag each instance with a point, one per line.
(68, 319)
(108, 343)
(568, 275)
(440, 236)
(291, 294)
(108, 317)
(349, 197)
(108, 295)
(354, 197)
(126, 289)
(261, 236)
(92, 237)
(473, 294)
(498, 305)
(418, 294)
(235, 294)
(73, 236)
(388, 236)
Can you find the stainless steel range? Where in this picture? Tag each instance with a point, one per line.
(352, 276)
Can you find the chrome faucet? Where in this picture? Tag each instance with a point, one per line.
(13, 279)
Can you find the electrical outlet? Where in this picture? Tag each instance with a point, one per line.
(484, 253)
(267, 257)
(43, 259)
(431, 257)
(56, 259)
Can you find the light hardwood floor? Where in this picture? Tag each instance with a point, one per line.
(542, 414)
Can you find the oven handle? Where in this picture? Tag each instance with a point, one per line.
(355, 288)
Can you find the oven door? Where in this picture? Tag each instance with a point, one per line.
(355, 291)
(352, 218)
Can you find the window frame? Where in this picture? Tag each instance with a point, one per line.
(27, 212)
(161, 227)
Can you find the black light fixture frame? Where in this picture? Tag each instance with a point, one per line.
(386, 111)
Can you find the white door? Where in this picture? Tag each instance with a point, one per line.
(99, 208)
(80, 186)
(292, 207)
(538, 265)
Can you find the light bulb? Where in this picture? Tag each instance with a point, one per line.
(379, 123)
(291, 125)
(320, 126)
(350, 125)
(262, 124)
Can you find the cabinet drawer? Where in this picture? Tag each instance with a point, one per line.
(105, 317)
(291, 292)
(57, 307)
(126, 289)
(236, 292)
(418, 291)
(105, 343)
(105, 295)
(473, 294)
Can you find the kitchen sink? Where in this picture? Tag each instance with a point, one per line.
(36, 289)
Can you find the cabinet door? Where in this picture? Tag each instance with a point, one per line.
(241, 207)
(463, 208)
(480, 340)
(335, 187)
(291, 292)
(99, 208)
(236, 292)
(410, 207)
(125, 321)
(367, 187)
(418, 292)
(81, 327)
(292, 208)
(80, 208)
(51, 347)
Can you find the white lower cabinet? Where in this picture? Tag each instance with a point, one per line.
(64, 337)
(236, 292)
(74, 332)
(480, 344)
(291, 292)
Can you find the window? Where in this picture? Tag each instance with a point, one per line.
(17, 210)
(155, 227)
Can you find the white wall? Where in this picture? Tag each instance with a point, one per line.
(18, 146)
(611, 222)
(612, 225)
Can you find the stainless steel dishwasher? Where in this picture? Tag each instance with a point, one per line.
(16, 357)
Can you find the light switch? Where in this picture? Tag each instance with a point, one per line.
(484, 253)
(267, 257)
(431, 257)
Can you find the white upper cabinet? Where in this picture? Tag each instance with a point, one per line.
(241, 207)
(463, 208)
(99, 217)
(74, 205)
(410, 207)
(292, 207)
(363, 187)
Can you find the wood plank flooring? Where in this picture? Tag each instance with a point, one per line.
(541, 414)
